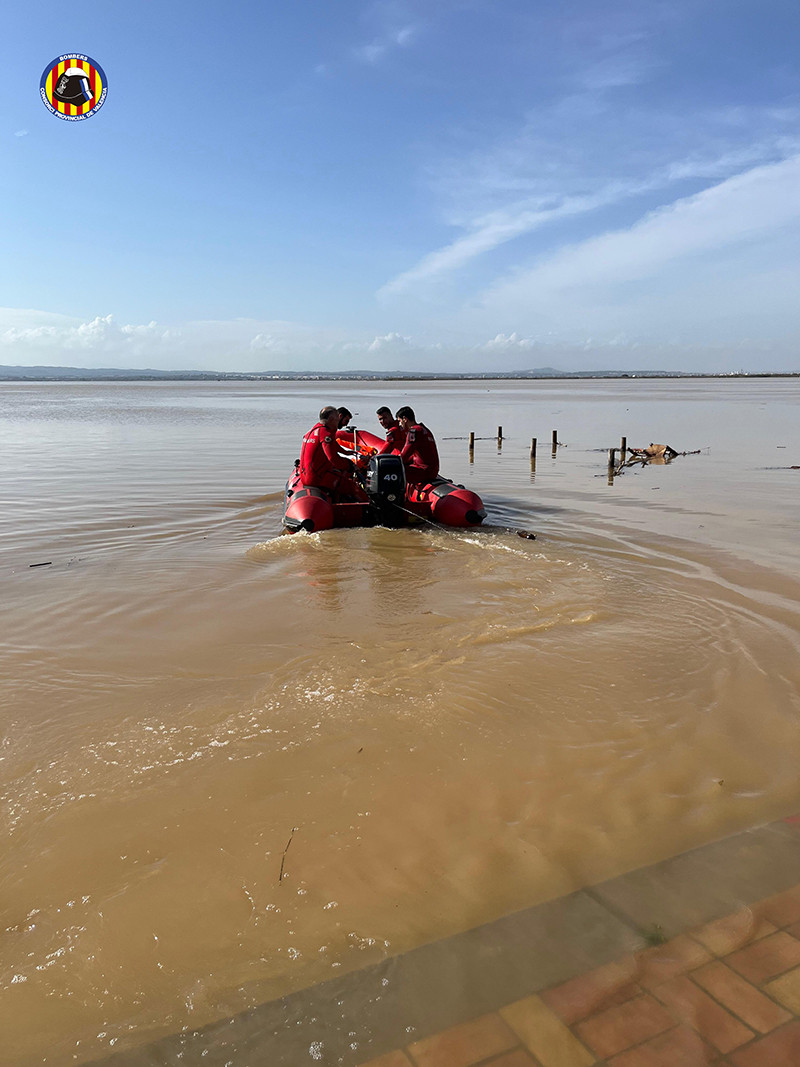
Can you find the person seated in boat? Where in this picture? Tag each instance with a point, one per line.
(344, 417)
(419, 453)
(321, 465)
(395, 437)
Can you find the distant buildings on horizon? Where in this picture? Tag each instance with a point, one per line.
(85, 374)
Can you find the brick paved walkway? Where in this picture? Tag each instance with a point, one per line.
(566, 983)
(726, 993)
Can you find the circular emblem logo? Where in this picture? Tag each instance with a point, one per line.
(73, 87)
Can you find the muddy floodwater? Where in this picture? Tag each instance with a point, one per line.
(234, 764)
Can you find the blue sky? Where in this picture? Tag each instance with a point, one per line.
(451, 184)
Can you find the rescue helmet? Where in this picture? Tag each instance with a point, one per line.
(72, 87)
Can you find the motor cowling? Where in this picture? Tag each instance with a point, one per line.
(386, 487)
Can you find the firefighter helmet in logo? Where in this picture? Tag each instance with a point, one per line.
(73, 87)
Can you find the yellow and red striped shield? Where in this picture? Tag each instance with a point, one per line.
(73, 87)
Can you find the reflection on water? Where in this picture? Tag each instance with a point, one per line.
(447, 725)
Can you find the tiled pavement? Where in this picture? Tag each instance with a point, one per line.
(568, 983)
(726, 993)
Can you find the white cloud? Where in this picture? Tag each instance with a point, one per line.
(718, 268)
(520, 184)
(29, 337)
(21, 133)
(101, 334)
(597, 339)
(524, 217)
(276, 344)
(376, 49)
(492, 231)
(370, 53)
(759, 201)
(390, 342)
(504, 342)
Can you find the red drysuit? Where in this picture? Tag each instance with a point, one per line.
(395, 439)
(420, 456)
(320, 463)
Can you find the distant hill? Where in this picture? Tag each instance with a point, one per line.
(92, 374)
(119, 374)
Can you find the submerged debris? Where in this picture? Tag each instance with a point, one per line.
(654, 935)
(654, 453)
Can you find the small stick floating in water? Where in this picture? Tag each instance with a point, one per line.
(48, 564)
(283, 858)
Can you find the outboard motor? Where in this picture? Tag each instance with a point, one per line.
(386, 487)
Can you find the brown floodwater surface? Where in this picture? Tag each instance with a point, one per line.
(234, 764)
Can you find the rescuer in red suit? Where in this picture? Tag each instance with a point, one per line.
(395, 437)
(321, 465)
(419, 454)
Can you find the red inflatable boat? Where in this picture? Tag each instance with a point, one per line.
(387, 499)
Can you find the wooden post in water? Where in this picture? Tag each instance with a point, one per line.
(533, 453)
(612, 454)
(623, 448)
(472, 446)
(555, 440)
(499, 436)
